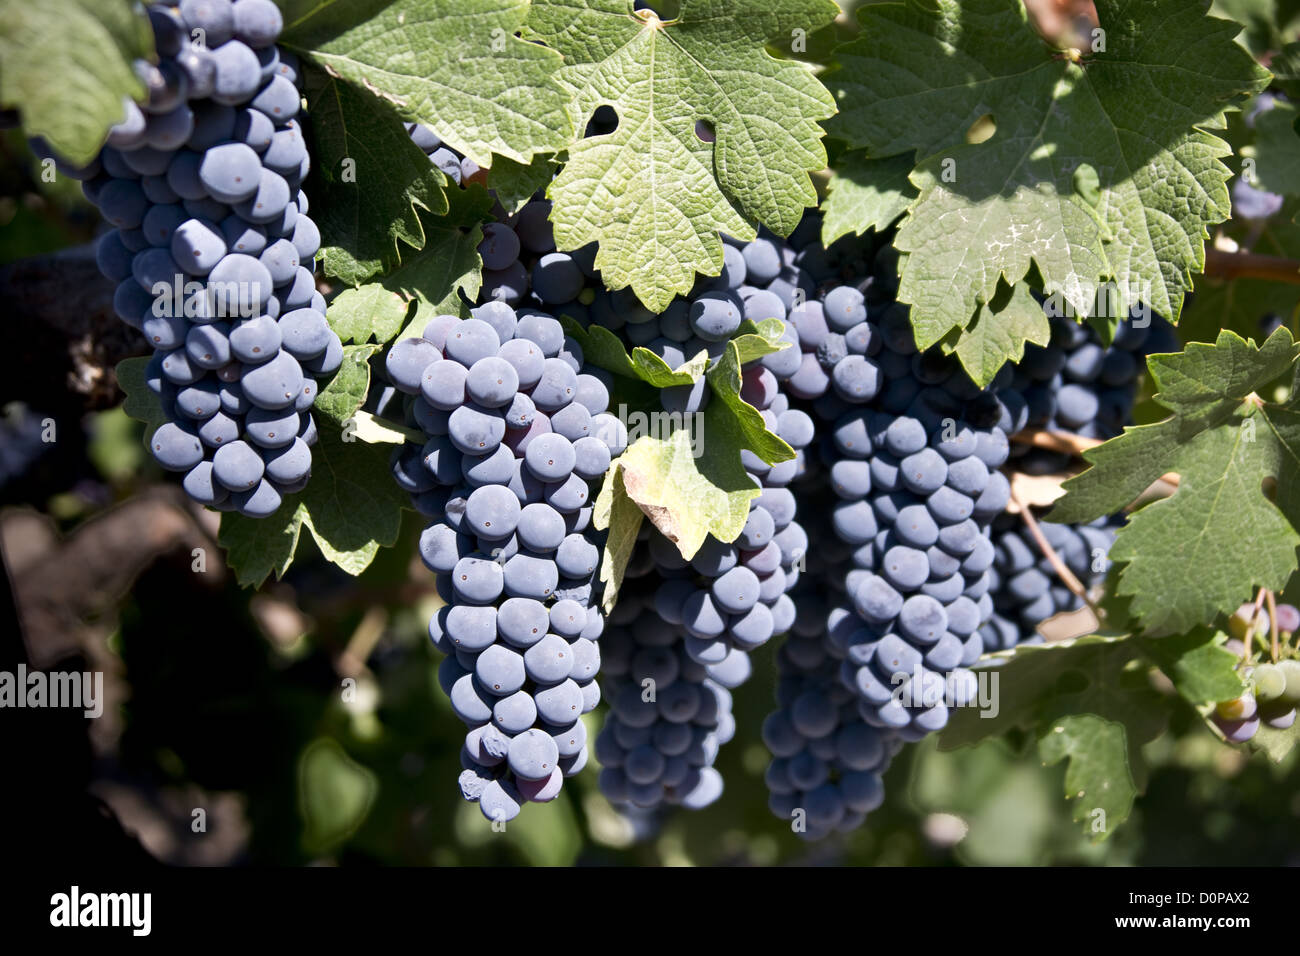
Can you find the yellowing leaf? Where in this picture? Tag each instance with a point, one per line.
(685, 497)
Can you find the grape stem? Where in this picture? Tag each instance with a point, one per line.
(352, 662)
(1251, 265)
(1065, 442)
(1272, 625)
(1062, 571)
(1250, 628)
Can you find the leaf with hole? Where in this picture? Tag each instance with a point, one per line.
(655, 193)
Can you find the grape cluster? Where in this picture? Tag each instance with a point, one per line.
(516, 435)
(522, 268)
(729, 598)
(213, 253)
(1073, 384)
(734, 595)
(910, 454)
(1076, 384)
(669, 713)
(917, 492)
(657, 747)
(827, 760)
(1273, 686)
(1023, 584)
(913, 452)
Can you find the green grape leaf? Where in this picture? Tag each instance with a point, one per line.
(354, 507)
(653, 370)
(433, 277)
(1184, 556)
(1199, 666)
(603, 349)
(1183, 560)
(653, 192)
(455, 65)
(1277, 149)
(1285, 67)
(615, 511)
(68, 67)
(921, 75)
(1204, 376)
(335, 795)
(351, 506)
(999, 332)
(1098, 779)
(339, 400)
(1083, 701)
(866, 194)
(374, 309)
(1268, 23)
(369, 181)
(515, 183)
(754, 340)
(745, 424)
(140, 403)
(682, 471)
(1274, 743)
(256, 548)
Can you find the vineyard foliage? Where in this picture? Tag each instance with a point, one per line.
(1017, 176)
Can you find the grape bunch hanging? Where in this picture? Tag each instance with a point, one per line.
(214, 253)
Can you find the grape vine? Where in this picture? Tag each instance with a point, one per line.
(884, 348)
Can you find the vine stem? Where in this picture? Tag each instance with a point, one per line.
(1220, 264)
(1250, 626)
(1272, 625)
(1062, 571)
(352, 662)
(1065, 442)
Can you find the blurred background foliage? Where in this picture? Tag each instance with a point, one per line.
(303, 723)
